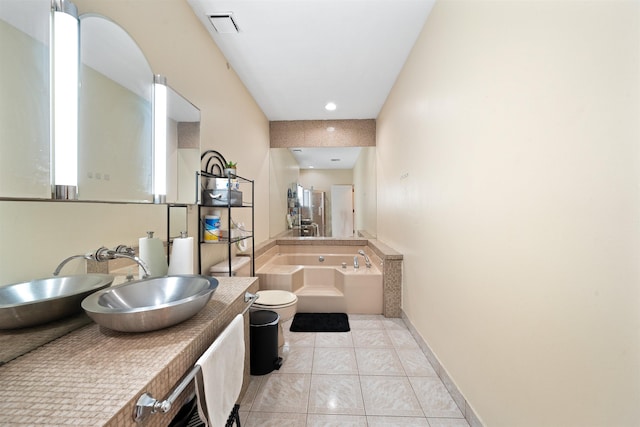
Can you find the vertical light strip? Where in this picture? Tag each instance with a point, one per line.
(160, 139)
(65, 100)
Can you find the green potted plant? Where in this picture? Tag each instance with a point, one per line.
(230, 169)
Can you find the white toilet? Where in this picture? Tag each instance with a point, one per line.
(282, 302)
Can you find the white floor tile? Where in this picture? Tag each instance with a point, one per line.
(397, 422)
(448, 422)
(402, 338)
(378, 361)
(361, 323)
(296, 360)
(267, 419)
(335, 361)
(371, 338)
(336, 394)
(393, 323)
(389, 396)
(316, 420)
(434, 398)
(299, 339)
(375, 375)
(283, 393)
(334, 339)
(250, 394)
(415, 363)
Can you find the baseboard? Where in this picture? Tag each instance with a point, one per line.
(466, 409)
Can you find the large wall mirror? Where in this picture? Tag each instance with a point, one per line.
(115, 123)
(24, 99)
(115, 118)
(308, 192)
(183, 149)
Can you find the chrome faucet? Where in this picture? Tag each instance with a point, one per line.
(88, 256)
(355, 262)
(104, 254)
(122, 251)
(367, 261)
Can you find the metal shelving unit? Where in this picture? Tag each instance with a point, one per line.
(229, 205)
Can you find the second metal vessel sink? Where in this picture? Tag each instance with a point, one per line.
(44, 300)
(150, 304)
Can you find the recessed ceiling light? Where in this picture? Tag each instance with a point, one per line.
(310, 167)
(330, 106)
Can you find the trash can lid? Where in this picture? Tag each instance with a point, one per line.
(263, 318)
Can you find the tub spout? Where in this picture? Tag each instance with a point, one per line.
(367, 261)
(355, 262)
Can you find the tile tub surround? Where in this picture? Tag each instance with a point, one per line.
(389, 260)
(94, 376)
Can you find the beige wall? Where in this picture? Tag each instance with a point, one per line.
(36, 236)
(178, 47)
(364, 191)
(508, 164)
(284, 172)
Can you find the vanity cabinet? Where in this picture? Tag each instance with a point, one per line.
(225, 198)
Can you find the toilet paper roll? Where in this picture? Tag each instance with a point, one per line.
(152, 253)
(181, 256)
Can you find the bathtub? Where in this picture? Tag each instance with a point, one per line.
(326, 282)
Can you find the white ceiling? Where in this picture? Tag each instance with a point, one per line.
(294, 56)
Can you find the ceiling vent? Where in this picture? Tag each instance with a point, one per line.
(224, 23)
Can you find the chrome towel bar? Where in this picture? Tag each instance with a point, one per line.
(147, 404)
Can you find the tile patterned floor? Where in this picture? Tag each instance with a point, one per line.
(375, 375)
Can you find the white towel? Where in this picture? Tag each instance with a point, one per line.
(222, 367)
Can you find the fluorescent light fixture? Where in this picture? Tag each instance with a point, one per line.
(159, 139)
(65, 64)
(331, 106)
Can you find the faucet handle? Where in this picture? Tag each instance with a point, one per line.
(124, 249)
(101, 254)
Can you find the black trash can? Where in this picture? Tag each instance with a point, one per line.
(264, 341)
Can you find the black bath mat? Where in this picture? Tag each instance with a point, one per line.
(320, 322)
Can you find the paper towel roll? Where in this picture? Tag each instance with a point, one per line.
(181, 256)
(152, 252)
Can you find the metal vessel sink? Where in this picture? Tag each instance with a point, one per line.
(150, 304)
(44, 300)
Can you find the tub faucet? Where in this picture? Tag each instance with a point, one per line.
(355, 262)
(367, 261)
